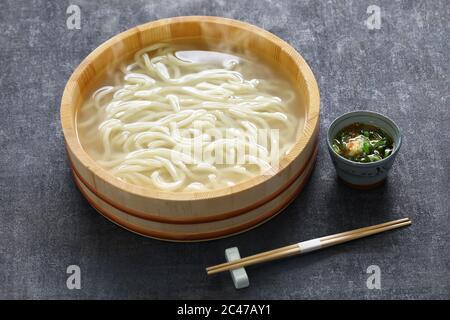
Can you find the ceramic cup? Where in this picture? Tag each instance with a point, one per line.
(363, 175)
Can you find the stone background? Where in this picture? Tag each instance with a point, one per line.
(401, 70)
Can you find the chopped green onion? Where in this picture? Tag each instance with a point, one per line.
(366, 147)
(380, 143)
(374, 157)
(387, 152)
(336, 148)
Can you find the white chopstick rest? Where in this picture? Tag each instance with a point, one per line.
(310, 245)
(239, 275)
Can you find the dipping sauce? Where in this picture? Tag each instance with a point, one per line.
(363, 143)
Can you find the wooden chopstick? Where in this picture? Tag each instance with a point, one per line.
(375, 226)
(292, 246)
(307, 246)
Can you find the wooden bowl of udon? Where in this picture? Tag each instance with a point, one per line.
(199, 215)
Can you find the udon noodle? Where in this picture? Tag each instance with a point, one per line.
(189, 120)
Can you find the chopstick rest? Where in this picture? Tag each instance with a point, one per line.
(239, 275)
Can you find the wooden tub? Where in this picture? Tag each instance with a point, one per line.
(192, 216)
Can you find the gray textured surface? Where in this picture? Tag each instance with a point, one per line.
(401, 70)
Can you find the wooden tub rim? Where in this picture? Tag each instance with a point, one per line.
(97, 172)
